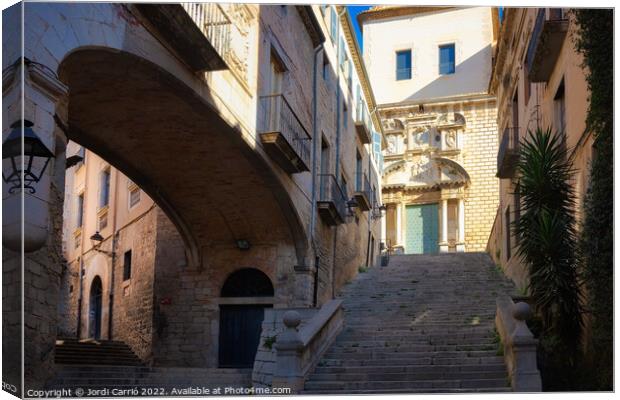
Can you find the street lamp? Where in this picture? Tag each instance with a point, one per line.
(96, 239)
(378, 212)
(35, 154)
(351, 204)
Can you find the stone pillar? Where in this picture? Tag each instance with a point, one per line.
(460, 245)
(399, 225)
(524, 375)
(289, 349)
(44, 101)
(384, 227)
(443, 244)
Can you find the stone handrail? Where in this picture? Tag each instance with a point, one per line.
(519, 345)
(299, 350)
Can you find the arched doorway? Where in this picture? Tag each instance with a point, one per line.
(240, 324)
(95, 303)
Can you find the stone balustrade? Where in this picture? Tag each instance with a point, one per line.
(519, 345)
(299, 339)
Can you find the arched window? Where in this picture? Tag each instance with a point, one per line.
(247, 282)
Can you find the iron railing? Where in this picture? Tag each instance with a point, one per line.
(331, 191)
(214, 24)
(278, 116)
(509, 147)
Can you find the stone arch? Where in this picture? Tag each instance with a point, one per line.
(174, 145)
(466, 180)
(95, 308)
(118, 31)
(247, 282)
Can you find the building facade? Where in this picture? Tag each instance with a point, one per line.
(431, 84)
(225, 145)
(539, 82)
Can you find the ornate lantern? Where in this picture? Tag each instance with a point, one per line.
(35, 156)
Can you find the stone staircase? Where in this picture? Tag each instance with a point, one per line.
(100, 365)
(98, 352)
(98, 377)
(424, 323)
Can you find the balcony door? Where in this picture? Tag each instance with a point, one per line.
(276, 79)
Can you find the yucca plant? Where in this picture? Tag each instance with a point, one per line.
(547, 238)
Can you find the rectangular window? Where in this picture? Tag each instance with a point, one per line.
(446, 59)
(324, 156)
(358, 171)
(403, 65)
(345, 115)
(104, 189)
(134, 196)
(77, 240)
(103, 221)
(127, 265)
(343, 55)
(80, 210)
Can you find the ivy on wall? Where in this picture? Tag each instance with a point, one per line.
(594, 40)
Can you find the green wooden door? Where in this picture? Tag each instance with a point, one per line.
(422, 231)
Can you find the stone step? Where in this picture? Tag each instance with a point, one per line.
(409, 376)
(387, 361)
(407, 390)
(408, 348)
(406, 352)
(144, 369)
(411, 369)
(425, 324)
(421, 384)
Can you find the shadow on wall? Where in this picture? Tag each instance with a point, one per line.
(461, 82)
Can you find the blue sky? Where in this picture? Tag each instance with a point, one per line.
(354, 10)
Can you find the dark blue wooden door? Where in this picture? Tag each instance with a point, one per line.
(240, 329)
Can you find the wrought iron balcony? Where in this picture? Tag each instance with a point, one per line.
(283, 135)
(546, 43)
(199, 33)
(363, 192)
(332, 202)
(508, 154)
(363, 124)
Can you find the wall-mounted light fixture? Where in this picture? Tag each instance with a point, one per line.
(96, 240)
(243, 244)
(378, 211)
(35, 156)
(351, 205)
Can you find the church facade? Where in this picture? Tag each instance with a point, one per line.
(439, 182)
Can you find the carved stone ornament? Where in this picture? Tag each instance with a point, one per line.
(450, 138)
(423, 170)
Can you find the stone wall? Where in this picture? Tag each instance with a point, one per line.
(11, 321)
(480, 160)
(132, 314)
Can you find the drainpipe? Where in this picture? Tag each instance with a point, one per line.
(114, 236)
(315, 143)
